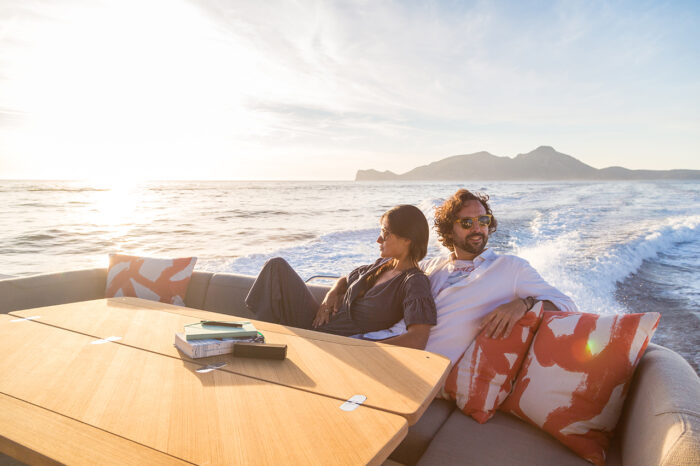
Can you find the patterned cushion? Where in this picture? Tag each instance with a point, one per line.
(576, 375)
(163, 280)
(484, 375)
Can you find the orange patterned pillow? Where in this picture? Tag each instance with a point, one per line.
(484, 375)
(163, 280)
(576, 376)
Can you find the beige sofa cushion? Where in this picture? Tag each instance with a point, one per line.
(318, 291)
(422, 432)
(503, 440)
(51, 289)
(197, 289)
(660, 424)
(226, 294)
(79, 285)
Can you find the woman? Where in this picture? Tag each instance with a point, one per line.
(372, 297)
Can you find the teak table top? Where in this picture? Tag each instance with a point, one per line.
(65, 398)
(161, 405)
(395, 379)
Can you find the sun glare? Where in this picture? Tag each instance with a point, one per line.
(134, 87)
(115, 202)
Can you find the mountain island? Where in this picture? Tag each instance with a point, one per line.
(542, 164)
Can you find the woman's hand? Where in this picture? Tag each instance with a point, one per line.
(330, 305)
(499, 323)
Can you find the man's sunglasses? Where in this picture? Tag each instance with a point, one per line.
(468, 222)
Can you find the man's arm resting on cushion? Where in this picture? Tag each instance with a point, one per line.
(500, 322)
(549, 306)
(416, 336)
(530, 283)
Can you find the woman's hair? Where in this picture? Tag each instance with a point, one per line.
(407, 221)
(446, 214)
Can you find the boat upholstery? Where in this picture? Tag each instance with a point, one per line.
(422, 433)
(504, 439)
(50, 289)
(660, 422)
(197, 289)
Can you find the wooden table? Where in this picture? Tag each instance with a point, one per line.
(67, 398)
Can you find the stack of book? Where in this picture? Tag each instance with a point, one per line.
(211, 338)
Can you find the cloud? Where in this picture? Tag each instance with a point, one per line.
(398, 83)
(10, 118)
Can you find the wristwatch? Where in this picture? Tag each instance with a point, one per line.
(529, 302)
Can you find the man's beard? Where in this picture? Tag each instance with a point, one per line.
(470, 248)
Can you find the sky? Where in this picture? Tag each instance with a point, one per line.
(305, 90)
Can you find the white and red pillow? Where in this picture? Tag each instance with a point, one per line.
(163, 280)
(483, 377)
(576, 375)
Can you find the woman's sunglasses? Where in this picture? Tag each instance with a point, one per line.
(468, 222)
(384, 234)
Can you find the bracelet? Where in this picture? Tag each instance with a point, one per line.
(529, 302)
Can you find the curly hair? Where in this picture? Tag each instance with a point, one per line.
(446, 214)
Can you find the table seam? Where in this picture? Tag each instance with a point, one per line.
(223, 369)
(94, 427)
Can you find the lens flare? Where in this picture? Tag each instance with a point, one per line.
(592, 348)
(585, 350)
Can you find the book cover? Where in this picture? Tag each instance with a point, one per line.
(211, 347)
(213, 329)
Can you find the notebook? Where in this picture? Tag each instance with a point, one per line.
(219, 329)
(211, 347)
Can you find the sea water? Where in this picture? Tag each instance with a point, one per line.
(614, 247)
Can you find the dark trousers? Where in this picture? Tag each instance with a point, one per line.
(279, 295)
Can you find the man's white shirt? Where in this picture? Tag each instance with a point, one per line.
(496, 279)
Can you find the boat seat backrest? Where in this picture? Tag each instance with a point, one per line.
(51, 289)
(216, 292)
(660, 423)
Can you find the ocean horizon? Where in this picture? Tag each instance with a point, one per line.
(614, 247)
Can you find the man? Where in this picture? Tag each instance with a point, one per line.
(474, 288)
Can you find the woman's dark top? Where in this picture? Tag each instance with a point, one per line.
(406, 296)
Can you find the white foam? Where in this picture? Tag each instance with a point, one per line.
(588, 266)
(581, 241)
(585, 265)
(334, 253)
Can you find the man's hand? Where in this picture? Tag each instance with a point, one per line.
(499, 323)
